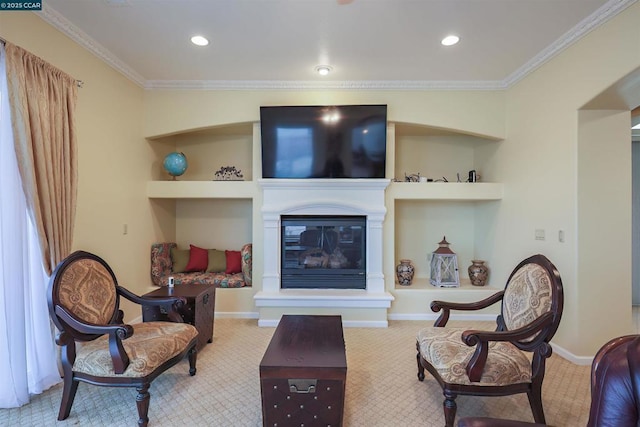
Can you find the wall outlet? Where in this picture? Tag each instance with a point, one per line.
(539, 234)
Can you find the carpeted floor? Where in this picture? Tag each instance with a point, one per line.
(382, 388)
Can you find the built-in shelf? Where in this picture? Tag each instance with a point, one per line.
(449, 206)
(446, 190)
(412, 302)
(201, 189)
(398, 190)
(422, 283)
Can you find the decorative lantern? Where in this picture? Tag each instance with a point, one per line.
(444, 266)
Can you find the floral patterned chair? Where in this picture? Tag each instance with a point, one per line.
(506, 361)
(84, 300)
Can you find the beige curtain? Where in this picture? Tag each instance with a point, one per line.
(42, 100)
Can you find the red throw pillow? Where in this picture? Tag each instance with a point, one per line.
(198, 259)
(234, 262)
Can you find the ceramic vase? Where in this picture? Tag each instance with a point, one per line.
(478, 272)
(404, 272)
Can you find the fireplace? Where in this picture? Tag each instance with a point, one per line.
(323, 252)
(361, 200)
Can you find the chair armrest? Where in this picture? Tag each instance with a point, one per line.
(117, 333)
(446, 307)
(91, 329)
(481, 340)
(472, 337)
(174, 303)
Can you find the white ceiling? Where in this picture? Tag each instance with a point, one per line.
(384, 44)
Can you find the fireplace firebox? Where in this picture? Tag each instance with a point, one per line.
(323, 252)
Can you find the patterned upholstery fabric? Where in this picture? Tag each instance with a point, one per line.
(527, 296)
(88, 291)
(152, 344)
(161, 262)
(161, 269)
(247, 263)
(444, 350)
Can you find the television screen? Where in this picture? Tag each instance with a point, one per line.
(341, 141)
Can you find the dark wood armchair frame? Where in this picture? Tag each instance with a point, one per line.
(623, 388)
(534, 338)
(72, 329)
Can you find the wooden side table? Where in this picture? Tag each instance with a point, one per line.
(198, 310)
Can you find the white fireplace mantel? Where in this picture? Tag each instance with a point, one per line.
(363, 197)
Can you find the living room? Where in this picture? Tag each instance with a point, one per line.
(546, 140)
(558, 140)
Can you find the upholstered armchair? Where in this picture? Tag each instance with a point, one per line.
(84, 299)
(506, 361)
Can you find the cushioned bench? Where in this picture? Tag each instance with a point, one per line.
(162, 269)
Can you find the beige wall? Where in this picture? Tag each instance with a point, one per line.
(171, 111)
(548, 148)
(559, 175)
(604, 224)
(112, 154)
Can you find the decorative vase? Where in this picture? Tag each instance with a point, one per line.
(404, 272)
(478, 272)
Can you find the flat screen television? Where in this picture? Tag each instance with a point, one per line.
(338, 141)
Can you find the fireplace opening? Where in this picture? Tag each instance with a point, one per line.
(323, 252)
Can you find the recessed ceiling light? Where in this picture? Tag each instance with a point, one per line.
(323, 70)
(450, 40)
(199, 41)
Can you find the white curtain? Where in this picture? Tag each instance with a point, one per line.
(28, 356)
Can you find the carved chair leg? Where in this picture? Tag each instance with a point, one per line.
(193, 356)
(420, 367)
(69, 389)
(535, 400)
(142, 401)
(450, 408)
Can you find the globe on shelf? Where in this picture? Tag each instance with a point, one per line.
(175, 164)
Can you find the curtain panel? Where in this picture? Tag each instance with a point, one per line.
(42, 100)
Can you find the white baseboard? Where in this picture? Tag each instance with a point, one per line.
(434, 316)
(272, 323)
(365, 324)
(236, 315)
(565, 354)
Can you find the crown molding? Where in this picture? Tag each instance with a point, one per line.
(331, 85)
(599, 17)
(52, 17)
(591, 22)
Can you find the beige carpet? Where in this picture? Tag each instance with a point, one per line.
(382, 387)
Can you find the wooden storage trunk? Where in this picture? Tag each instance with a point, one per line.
(303, 373)
(198, 310)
